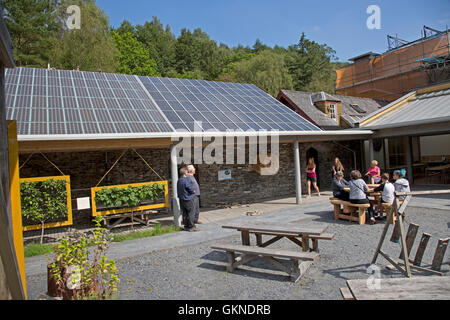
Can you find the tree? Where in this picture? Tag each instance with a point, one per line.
(266, 70)
(32, 25)
(132, 57)
(90, 48)
(160, 43)
(310, 66)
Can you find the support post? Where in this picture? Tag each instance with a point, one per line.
(174, 175)
(371, 151)
(298, 181)
(409, 160)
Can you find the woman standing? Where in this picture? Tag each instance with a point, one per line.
(311, 176)
(336, 167)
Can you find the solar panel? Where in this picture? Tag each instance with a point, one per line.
(70, 102)
(47, 102)
(221, 106)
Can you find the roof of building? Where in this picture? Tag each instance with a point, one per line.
(427, 105)
(62, 102)
(353, 108)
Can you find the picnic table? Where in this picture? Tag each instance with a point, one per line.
(415, 288)
(297, 233)
(439, 170)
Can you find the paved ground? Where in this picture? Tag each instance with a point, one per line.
(182, 265)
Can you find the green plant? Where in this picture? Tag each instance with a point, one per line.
(75, 276)
(42, 201)
(129, 196)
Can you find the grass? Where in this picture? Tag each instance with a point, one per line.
(36, 249)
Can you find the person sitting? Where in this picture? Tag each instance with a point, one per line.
(401, 184)
(374, 172)
(339, 183)
(387, 190)
(358, 195)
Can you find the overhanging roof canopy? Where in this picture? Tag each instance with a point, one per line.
(424, 106)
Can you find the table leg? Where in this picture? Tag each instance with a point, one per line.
(245, 235)
(258, 239)
(305, 243)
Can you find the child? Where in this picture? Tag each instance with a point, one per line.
(401, 184)
(374, 172)
(358, 195)
(387, 191)
(311, 176)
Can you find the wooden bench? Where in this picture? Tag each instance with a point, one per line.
(249, 253)
(350, 211)
(323, 236)
(141, 217)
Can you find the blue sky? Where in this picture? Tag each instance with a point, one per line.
(339, 24)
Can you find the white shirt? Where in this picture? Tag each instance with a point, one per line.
(388, 192)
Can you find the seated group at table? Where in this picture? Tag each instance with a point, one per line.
(358, 189)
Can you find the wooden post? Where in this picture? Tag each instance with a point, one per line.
(439, 254)
(245, 235)
(404, 246)
(421, 249)
(410, 237)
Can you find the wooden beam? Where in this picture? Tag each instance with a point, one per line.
(91, 145)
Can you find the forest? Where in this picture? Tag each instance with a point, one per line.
(41, 37)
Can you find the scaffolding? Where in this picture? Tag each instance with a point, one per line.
(405, 67)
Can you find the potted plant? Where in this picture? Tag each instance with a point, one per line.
(72, 275)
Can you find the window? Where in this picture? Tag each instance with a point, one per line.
(332, 111)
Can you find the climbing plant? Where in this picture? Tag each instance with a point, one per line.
(129, 196)
(43, 201)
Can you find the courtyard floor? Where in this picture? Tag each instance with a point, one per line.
(182, 265)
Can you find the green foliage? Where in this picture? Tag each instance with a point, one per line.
(266, 70)
(90, 48)
(40, 35)
(94, 279)
(132, 57)
(42, 201)
(32, 25)
(129, 196)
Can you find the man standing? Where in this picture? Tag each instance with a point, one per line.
(191, 173)
(186, 194)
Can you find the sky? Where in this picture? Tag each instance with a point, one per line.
(341, 24)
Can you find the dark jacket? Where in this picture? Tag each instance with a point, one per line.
(338, 186)
(185, 188)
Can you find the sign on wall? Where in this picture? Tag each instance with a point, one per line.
(225, 175)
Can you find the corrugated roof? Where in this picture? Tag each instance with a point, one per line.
(426, 107)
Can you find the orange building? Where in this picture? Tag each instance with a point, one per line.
(405, 67)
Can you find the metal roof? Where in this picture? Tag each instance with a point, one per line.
(412, 109)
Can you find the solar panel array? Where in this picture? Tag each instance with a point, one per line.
(48, 102)
(221, 106)
(70, 102)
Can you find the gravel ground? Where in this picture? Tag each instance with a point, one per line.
(198, 272)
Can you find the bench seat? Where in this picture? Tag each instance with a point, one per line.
(355, 212)
(251, 252)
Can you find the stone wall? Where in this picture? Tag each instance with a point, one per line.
(247, 186)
